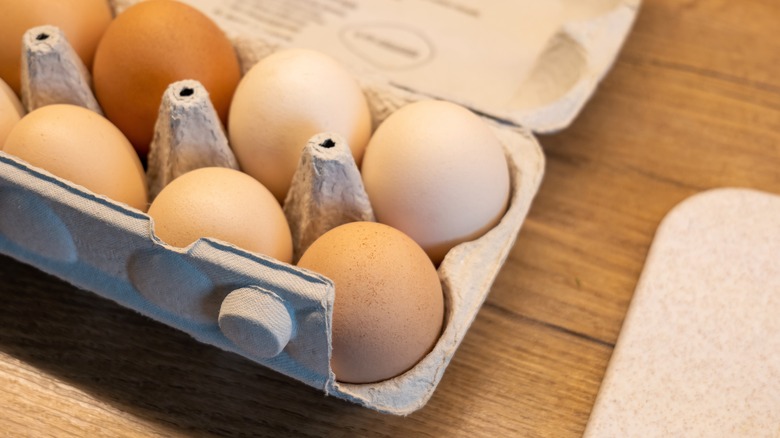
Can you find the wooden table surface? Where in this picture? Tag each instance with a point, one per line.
(693, 103)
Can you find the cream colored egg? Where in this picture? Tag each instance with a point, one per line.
(389, 305)
(436, 171)
(224, 204)
(79, 145)
(11, 111)
(283, 101)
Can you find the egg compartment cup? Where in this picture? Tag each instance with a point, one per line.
(110, 249)
(267, 311)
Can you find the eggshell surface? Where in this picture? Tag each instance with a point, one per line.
(389, 306)
(436, 171)
(224, 204)
(80, 146)
(11, 111)
(82, 21)
(282, 102)
(151, 45)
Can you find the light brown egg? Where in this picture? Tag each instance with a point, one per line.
(283, 101)
(151, 45)
(224, 204)
(82, 21)
(389, 305)
(11, 111)
(436, 171)
(80, 146)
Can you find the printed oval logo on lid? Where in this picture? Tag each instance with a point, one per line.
(390, 47)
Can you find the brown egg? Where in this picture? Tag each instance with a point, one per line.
(80, 146)
(82, 21)
(151, 45)
(11, 111)
(224, 204)
(389, 304)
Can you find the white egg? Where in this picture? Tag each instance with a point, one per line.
(282, 102)
(437, 172)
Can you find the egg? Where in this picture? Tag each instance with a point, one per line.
(82, 21)
(284, 100)
(11, 111)
(151, 45)
(389, 307)
(79, 145)
(224, 204)
(436, 171)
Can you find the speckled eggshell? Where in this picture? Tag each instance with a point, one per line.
(224, 204)
(83, 147)
(436, 171)
(389, 305)
(11, 111)
(282, 102)
(82, 21)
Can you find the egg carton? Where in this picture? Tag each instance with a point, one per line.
(273, 313)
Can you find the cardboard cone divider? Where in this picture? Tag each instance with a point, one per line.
(188, 135)
(326, 191)
(52, 72)
(271, 312)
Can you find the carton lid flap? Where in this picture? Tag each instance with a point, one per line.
(528, 62)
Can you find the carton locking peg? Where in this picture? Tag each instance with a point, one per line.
(257, 321)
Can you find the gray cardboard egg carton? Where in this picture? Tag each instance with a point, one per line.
(271, 307)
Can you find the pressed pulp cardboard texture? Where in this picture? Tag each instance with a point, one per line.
(699, 352)
(110, 249)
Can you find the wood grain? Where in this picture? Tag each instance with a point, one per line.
(692, 103)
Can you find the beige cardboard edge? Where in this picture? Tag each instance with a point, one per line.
(568, 71)
(591, 46)
(697, 228)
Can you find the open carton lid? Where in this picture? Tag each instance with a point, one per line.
(531, 63)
